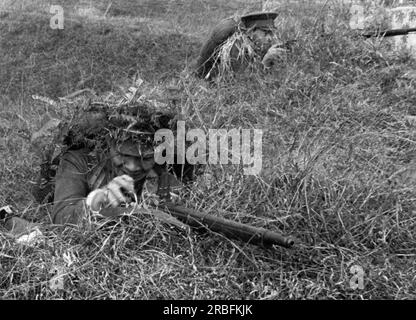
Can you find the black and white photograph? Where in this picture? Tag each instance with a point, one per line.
(211, 155)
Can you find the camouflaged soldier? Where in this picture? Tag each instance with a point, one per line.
(83, 183)
(258, 29)
(106, 163)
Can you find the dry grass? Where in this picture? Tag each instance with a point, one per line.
(338, 153)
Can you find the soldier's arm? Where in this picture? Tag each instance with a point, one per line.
(71, 188)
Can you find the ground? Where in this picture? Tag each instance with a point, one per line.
(338, 118)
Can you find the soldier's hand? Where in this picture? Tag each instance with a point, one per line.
(111, 195)
(117, 190)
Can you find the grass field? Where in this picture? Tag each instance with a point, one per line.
(338, 117)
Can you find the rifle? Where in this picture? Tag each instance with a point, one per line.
(365, 34)
(198, 220)
(388, 33)
(229, 228)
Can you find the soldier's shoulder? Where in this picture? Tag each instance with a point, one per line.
(78, 157)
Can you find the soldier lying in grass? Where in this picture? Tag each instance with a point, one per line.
(107, 162)
(78, 187)
(239, 40)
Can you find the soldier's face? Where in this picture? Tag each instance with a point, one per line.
(127, 160)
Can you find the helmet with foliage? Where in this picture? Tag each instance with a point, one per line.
(101, 123)
(97, 125)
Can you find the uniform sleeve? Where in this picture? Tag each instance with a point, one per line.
(71, 188)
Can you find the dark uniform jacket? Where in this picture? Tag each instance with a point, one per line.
(78, 174)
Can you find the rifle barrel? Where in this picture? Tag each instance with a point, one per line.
(232, 229)
(389, 33)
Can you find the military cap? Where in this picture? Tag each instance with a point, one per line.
(259, 19)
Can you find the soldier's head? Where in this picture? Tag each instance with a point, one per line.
(132, 146)
(132, 158)
(126, 133)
